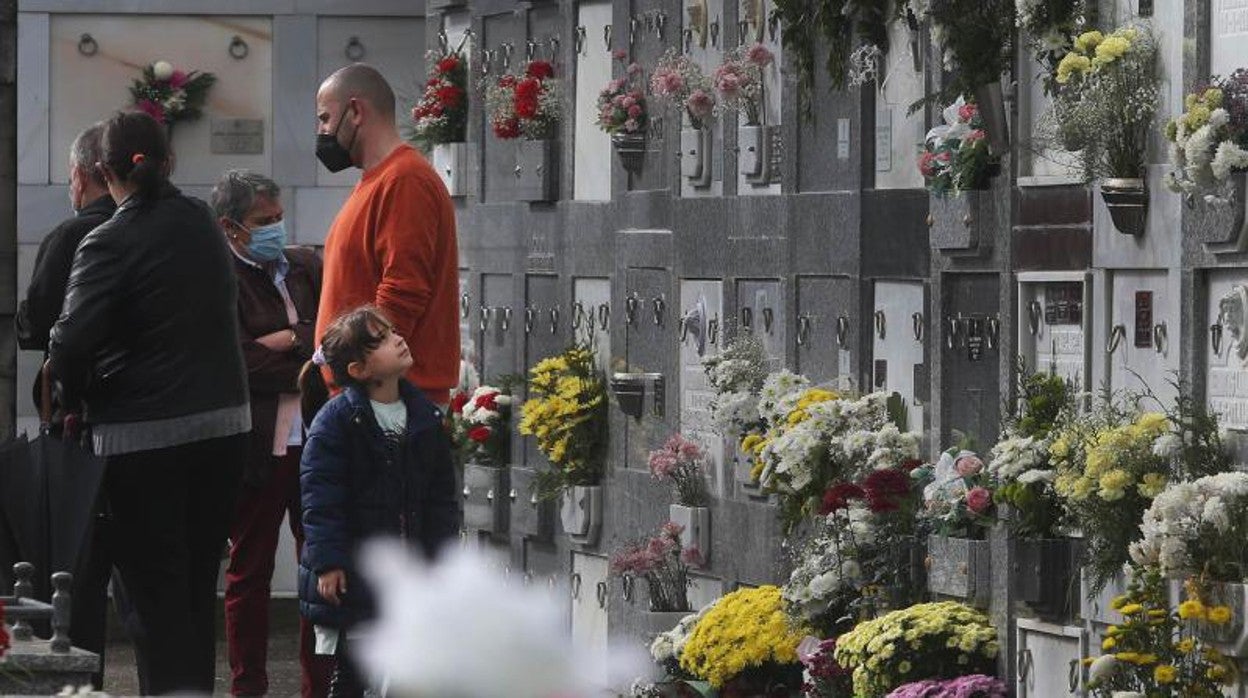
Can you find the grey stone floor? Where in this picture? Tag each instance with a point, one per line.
(120, 678)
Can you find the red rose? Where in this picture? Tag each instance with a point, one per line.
(448, 64)
(450, 95)
(487, 402)
(837, 497)
(540, 70)
(508, 80)
(458, 401)
(480, 434)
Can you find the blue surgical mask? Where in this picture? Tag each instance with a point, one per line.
(267, 242)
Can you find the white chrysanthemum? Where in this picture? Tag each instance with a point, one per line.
(1033, 476)
(1229, 157)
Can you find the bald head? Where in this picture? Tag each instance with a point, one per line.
(363, 82)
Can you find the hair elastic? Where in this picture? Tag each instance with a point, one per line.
(318, 356)
(137, 158)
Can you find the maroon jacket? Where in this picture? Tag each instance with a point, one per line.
(261, 310)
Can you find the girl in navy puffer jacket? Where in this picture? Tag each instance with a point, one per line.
(377, 462)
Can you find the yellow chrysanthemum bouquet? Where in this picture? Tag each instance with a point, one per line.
(925, 641)
(1154, 652)
(1106, 98)
(745, 640)
(566, 414)
(1112, 462)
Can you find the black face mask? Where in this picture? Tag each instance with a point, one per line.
(330, 152)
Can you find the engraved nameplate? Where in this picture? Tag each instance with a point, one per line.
(237, 137)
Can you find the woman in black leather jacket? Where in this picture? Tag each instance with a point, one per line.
(148, 343)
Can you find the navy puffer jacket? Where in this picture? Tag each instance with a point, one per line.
(354, 487)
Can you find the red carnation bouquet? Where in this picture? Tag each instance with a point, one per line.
(481, 425)
(441, 116)
(525, 104)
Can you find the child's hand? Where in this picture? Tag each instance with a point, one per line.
(330, 584)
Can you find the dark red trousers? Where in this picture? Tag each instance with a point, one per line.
(248, 579)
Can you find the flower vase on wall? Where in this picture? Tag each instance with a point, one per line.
(580, 512)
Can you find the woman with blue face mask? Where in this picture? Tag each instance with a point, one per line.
(278, 293)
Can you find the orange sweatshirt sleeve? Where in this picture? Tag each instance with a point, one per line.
(407, 250)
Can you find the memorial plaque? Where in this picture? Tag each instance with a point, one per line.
(1229, 29)
(237, 137)
(1063, 303)
(1143, 319)
(842, 139)
(883, 140)
(974, 339)
(880, 380)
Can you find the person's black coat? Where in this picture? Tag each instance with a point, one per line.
(150, 328)
(46, 293)
(354, 489)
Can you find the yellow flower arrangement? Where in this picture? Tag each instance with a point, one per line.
(566, 415)
(925, 641)
(1152, 652)
(745, 629)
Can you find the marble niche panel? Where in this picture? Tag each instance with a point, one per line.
(393, 45)
(1055, 318)
(592, 160)
(87, 88)
(899, 334)
(1142, 341)
(1226, 347)
(701, 335)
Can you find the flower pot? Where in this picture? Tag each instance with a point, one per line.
(697, 525)
(960, 568)
(1127, 201)
(962, 224)
(1045, 576)
(486, 504)
(530, 517)
(1222, 225)
(451, 162)
(631, 149)
(535, 170)
(991, 103)
(695, 155)
(580, 512)
(1098, 608)
(654, 622)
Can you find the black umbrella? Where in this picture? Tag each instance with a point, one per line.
(49, 488)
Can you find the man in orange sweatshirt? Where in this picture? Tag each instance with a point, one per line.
(393, 243)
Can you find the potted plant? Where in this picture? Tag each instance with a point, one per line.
(959, 508)
(677, 81)
(1209, 151)
(822, 676)
(622, 113)
(527, 107)
(681, 463)
(925, 641)
(740, 85)
(662, 562)
(481, 431)
(1195, 531)
(566, 413)
(1153, 651)
(1045, 572)
(956, 164)
(440, 118)
(736, 377)
(1106, 99)
(972, 686)
(745, 646)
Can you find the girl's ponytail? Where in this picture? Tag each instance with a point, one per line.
(313, 392)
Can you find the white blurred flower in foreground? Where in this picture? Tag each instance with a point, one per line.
(458, 629)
